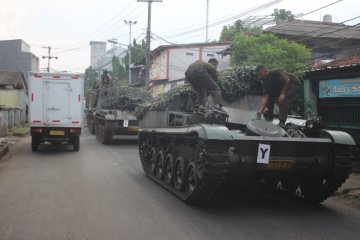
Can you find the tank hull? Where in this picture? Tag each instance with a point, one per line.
(110, 123)
(203, 157)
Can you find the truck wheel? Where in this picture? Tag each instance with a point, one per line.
(76, 143)
(35, 144)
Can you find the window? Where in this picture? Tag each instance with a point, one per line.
(210, 55)
(189, 54)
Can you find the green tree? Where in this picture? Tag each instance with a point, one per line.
(90, 78)
(137, 54)
(119, 72)
(282, 15)
(229, 32)
(271, 51)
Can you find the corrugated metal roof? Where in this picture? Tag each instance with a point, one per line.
(12, 78)
(188, 46)
(339, 63)
(304, 28)
(344, 62)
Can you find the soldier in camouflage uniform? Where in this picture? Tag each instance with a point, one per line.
(203, 77)
(278, 87)
(105, 77)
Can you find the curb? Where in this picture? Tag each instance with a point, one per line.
(4, 149)
(21, 134)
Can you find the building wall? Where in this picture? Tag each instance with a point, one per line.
(334, 94)
(10, 98)
(179, 61)
(211, 52)
(15, 55)
(171, 63)
(324, 49)
(159, 67)
(98, 49)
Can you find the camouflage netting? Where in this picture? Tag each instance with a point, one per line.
(160, 102)
(118, 96)
(91, 96)
(235, 82)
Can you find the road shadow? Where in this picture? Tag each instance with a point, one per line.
(48, 148)
(124, 142)
(243, 197)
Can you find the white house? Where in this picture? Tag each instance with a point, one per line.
(169, 62)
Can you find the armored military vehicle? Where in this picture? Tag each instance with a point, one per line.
(191, 154)
(111, 111)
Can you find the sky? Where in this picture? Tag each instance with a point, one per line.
(68, 26)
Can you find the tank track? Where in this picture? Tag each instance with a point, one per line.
(315, 189)
(91, 125)
(204, 166)
(104, 133)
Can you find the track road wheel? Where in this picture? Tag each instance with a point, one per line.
(192, 178)
(179, 175)
(35, 141)
(160, 164)
(152, 160)
(169, 169)
(199, 158)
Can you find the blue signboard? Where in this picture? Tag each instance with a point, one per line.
(349, 87)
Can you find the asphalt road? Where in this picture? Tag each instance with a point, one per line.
(101, 193)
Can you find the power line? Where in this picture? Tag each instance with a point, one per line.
(296, 16)
(247, 12)
(108, 32)
(338, 41)
(71, 49)
(304, 14)
(99, 68)
(7, 27)
(106, 23)
(188, 48)
(338, 30)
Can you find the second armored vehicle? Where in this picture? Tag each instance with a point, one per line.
(111, 111)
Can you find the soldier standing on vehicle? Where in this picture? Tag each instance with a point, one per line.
(203, 77)
(278, 87)
(105, 77)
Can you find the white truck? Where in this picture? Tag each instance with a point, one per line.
(55, 108)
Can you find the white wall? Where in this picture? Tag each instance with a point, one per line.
(211, 52)
(98, 49)
(181, 58)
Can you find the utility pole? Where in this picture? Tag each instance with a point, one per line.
(130, 23)
(148, 31)
(207, 21)
(49, 57)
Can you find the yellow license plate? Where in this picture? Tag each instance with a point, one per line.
(276, 164)
(57, 133)
(133, 129)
